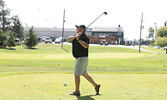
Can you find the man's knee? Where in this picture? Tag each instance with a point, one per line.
(85, 74)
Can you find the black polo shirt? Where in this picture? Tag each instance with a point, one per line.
(77, 49)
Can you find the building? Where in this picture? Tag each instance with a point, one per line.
(113, 35)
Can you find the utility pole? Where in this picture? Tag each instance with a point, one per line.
(38, 15)
(63, 30)
(141, 27)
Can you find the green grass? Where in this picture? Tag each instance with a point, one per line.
(114, 87)
(125, 74)
(51, 58)
(161, 51)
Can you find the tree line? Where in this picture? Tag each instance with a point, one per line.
(160, 36)
(11, 29)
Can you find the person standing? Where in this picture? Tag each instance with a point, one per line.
(80, 45)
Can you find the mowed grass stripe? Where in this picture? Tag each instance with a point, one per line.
(101, 60)
(113, 86)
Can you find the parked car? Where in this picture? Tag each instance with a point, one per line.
(17, 40)
(58, 40)
(104, 43)
(165, 48)
(48, 40)
(101, 43)
(43, 38)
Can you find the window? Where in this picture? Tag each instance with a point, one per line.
(119, 34)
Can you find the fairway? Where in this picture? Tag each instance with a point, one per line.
(125, 74)
(114, 87)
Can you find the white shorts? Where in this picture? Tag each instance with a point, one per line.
(81, 64)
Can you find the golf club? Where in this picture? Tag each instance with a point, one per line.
(104, 13)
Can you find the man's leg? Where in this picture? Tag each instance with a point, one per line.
(90, 79)
(77, 83)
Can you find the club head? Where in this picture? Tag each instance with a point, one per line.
(105, 13)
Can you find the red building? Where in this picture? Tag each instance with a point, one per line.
(112, 35)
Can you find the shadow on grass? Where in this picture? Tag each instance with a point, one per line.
(65, 49)
(32, 48)
(11, 48)
(8, 48)
(87, 97)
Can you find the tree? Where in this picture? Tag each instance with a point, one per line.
(162, 32)
(31, 39)
(11, 40)
(165, 24)
(4, 16)
(17, 28)
(161, 41)
(151, 33)
(3, 39)
(161, 37)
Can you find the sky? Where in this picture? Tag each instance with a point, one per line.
(127, 13)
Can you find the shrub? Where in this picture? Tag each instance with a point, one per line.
(161, 41)
(11, 40)
(3, 39)
(31, 39)
(162, 32)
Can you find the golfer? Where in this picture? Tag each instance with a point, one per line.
(80, 44)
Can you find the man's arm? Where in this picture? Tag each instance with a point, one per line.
(84, 44)
(71, 38)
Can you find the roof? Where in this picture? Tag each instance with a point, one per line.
(107, 29)
(94, 29)
(40, 29)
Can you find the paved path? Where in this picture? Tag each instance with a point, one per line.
(123, 46)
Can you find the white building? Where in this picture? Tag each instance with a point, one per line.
(117, 32)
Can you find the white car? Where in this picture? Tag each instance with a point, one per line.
(165, 48)
(58, 40)
(47, 40)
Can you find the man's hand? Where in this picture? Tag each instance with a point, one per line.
(71, 38)
(78, 35)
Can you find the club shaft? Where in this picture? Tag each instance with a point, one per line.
(95, 20)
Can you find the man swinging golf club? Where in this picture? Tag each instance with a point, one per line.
(80, 45)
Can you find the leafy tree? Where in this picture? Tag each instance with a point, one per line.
(162, 32)
(11, 40)
(161, 41)
(4, 16)
(3, 39)
(165, 23)
(31, 39)
(161, 37)
(151, 32)
(17, 28)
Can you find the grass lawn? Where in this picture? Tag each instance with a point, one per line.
(114, 87)
(125, 74)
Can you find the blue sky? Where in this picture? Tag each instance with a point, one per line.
(127, 13)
